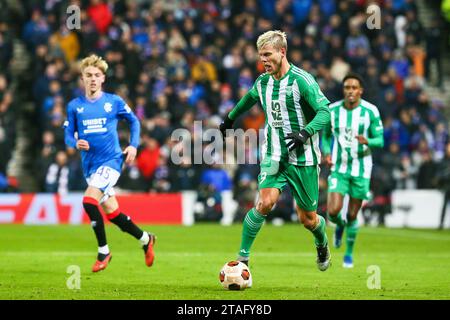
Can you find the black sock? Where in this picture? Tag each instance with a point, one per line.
(126, 225)
(101, 256)
(96, 222)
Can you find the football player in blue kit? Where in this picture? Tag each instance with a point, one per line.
(91, 127)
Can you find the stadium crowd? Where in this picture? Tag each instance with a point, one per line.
(177, 62)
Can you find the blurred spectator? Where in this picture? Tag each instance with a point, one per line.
(132, 179)
(441, 139)
(3, 182)
(426, 177)
(444, 181)
(356, 43)
(413, 26)
(339, 68)
(215, 178)
(400, 64)
(203, 70)
(57, 177)
(213, 181)
(433, 38)
(162, 181)
(254, 120)
(7, 124)
(391, 164)
(417, 55)
(76, 177)
(185, 176)
(148, 157)
(68, 43)
(36, 31)
(397, 131)
(245, 190)
(405, 173)
(100, 13)
(6, 51)
(300, 9)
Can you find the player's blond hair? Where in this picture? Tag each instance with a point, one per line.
(276, 38)
(94, 61)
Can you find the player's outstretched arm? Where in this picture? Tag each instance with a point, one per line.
(227, 123)
(246, 102)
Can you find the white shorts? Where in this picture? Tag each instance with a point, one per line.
(105, 178)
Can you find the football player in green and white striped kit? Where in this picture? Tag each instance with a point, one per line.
(295, 110)
(356, 128)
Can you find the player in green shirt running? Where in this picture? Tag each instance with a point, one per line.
(295, 110)
(357, 128)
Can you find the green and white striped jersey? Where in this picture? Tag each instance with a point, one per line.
(348, 155)
(290, 104)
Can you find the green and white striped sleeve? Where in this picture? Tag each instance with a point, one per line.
(376, 138)
(245, 104)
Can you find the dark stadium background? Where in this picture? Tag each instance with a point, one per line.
(176, 62)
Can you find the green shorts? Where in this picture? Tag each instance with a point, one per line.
(355, 187)
(303, 181)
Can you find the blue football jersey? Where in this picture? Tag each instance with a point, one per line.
(96, 122)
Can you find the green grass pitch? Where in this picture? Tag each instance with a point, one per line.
(34, 260)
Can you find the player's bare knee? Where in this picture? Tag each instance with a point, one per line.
(334, 209)
(107, 209)
(309, 223)
(264, 206)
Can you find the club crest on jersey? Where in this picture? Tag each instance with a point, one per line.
(108, 107)
(80, 110)
(288, 91)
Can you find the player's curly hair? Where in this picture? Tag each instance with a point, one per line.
(353, 75)
(276, 38)
(94, 61)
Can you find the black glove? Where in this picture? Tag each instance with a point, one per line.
(226, 124)
(297, 139)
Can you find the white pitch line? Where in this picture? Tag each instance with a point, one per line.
(413, 234)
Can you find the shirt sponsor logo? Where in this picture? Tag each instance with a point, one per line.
(277, 119)
(94, 125)
(346, 137)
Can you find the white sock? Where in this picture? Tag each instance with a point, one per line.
(144, 239)
(103, 250)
